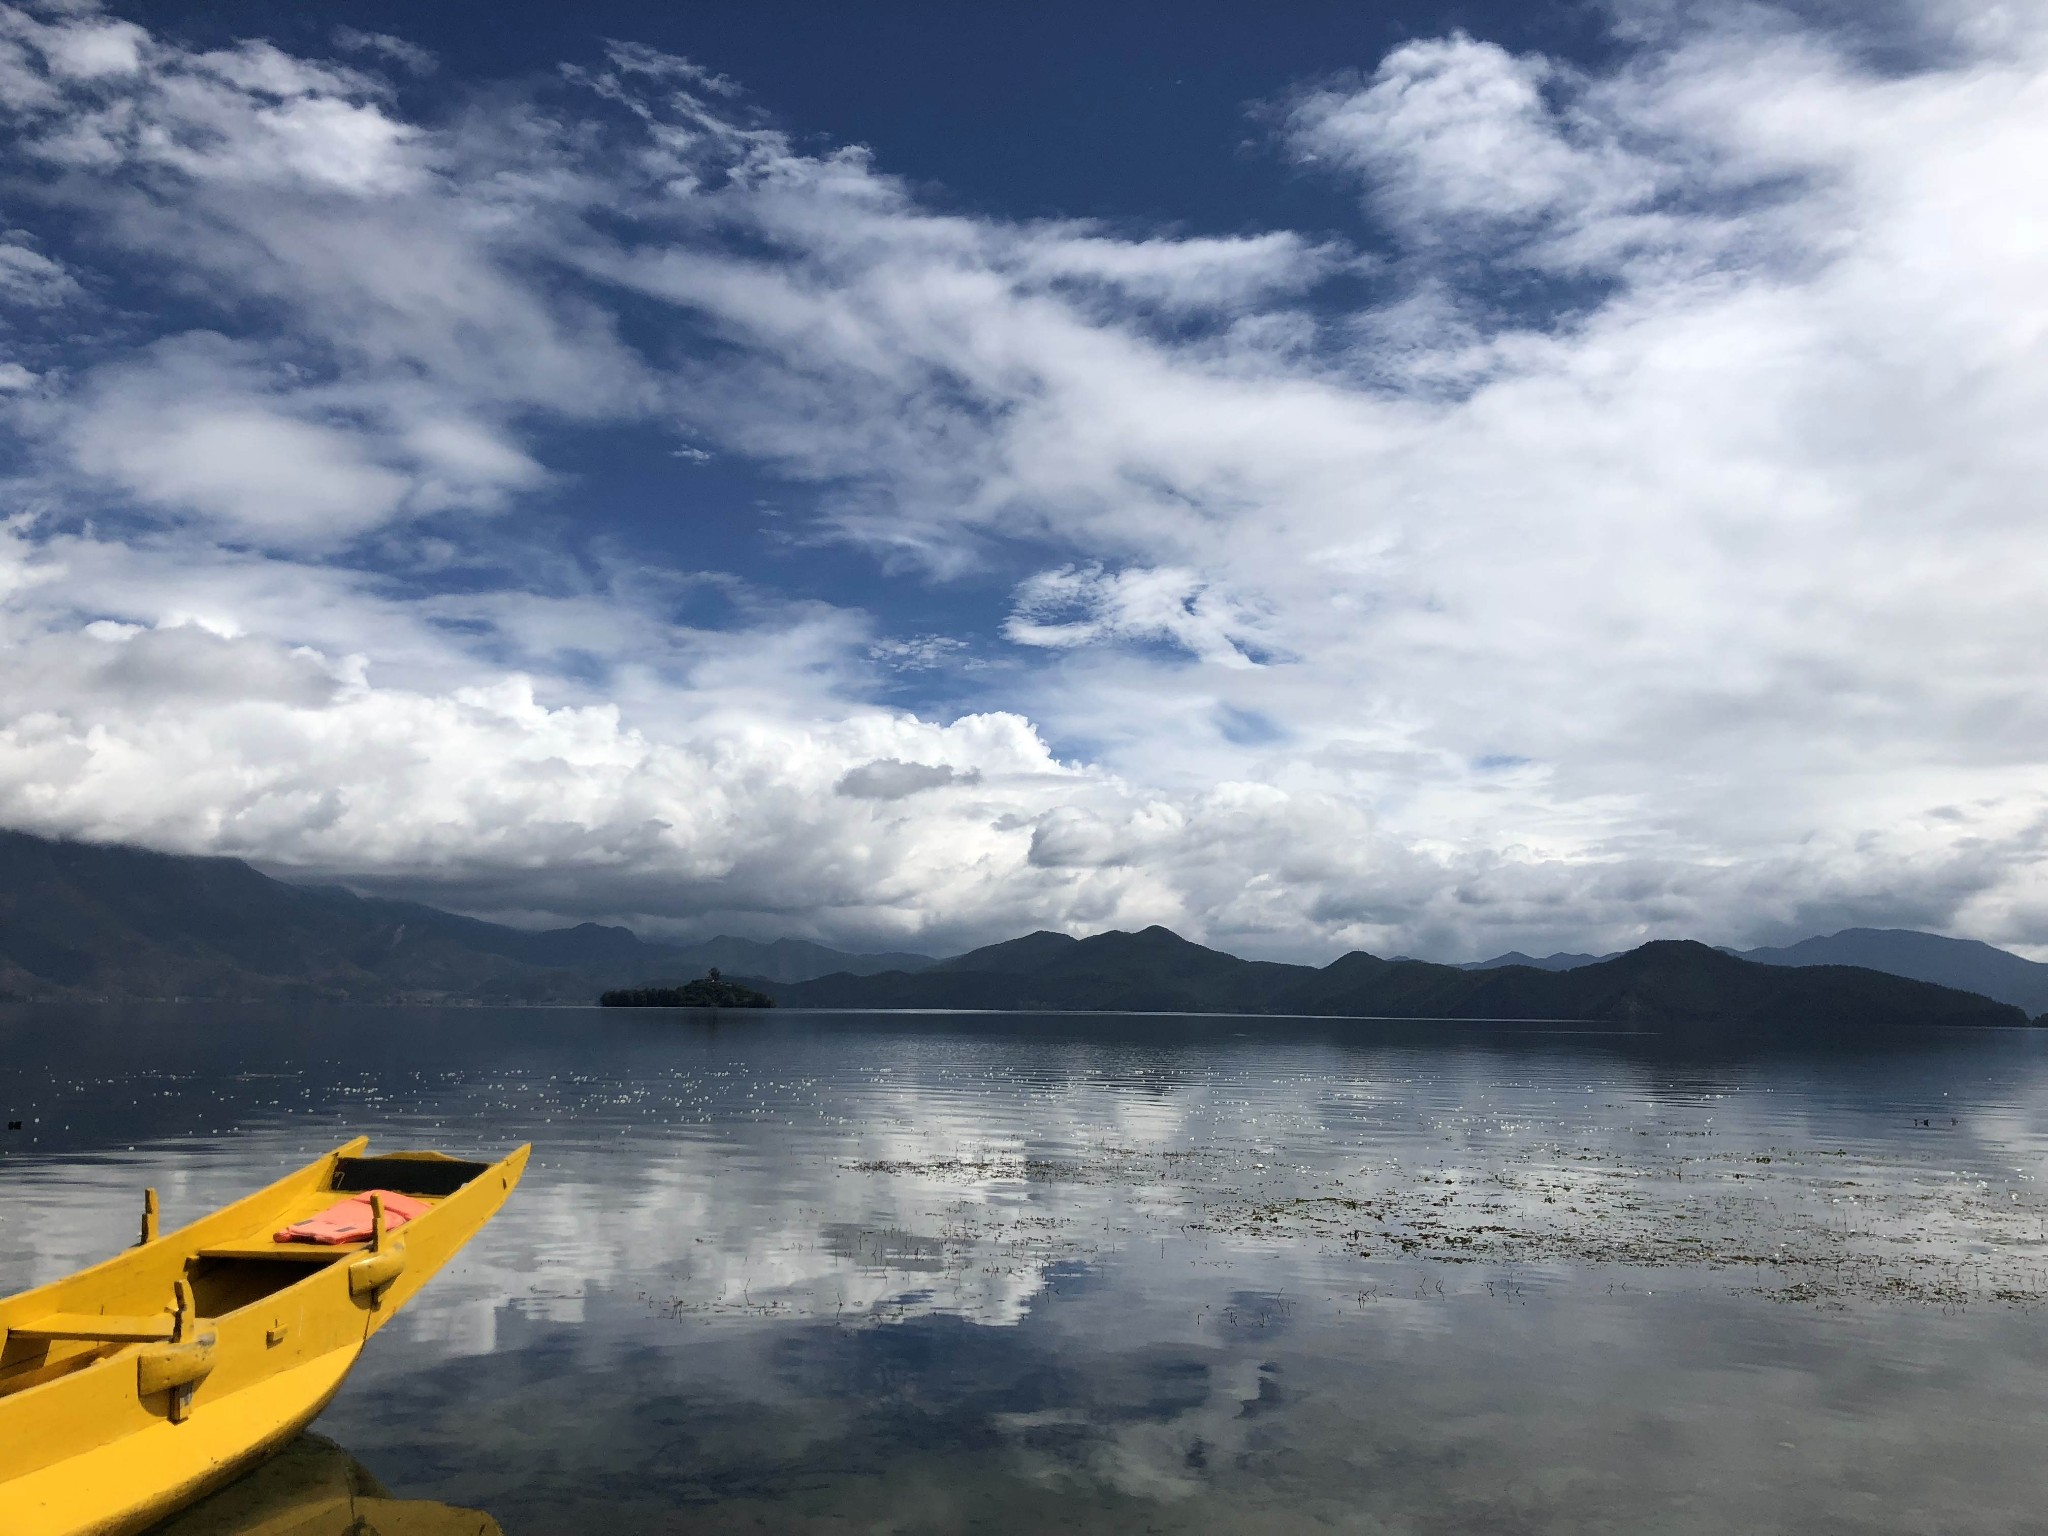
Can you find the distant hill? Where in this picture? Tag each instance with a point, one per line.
(94, 920)
(1557, 962)
(1670, 982)
(1964, 963)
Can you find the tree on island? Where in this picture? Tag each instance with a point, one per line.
(712, 991)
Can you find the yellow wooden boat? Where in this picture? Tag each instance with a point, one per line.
(129, 1389)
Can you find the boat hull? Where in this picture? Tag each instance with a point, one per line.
(87, 1449)
(128, 1485)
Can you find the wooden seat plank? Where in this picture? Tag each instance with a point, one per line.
(289, 1253)
(94, 1325)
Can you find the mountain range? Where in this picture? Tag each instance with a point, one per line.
(1666, 982)
(97, 920)
(1967, 964)
(1560, 961)
(85, 920)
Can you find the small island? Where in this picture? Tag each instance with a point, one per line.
(710, 991)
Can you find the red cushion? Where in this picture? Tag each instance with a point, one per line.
(350, 1220)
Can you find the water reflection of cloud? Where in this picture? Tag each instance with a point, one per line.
(806, 1280)
(902, 1177)
(765, 1222)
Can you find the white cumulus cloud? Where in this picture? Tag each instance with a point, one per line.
(1655, 550)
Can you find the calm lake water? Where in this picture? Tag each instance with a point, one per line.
(828, 1273)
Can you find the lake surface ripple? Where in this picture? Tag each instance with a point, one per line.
(829, 1273)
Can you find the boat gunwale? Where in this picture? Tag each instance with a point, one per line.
(311, 1261)
(17, 1306)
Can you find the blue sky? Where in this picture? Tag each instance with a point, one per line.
(1433, 480)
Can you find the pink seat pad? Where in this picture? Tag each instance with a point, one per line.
(349, 1221)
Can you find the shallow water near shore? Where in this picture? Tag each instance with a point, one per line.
(837, 1273)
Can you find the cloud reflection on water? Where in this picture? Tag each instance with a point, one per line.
(827, 1271)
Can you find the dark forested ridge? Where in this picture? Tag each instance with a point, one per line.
(92, 920)
(98, 920)
(1969, 965)
(1669, 982)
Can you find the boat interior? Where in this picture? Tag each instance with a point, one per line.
(243, 1270)
(221, 1271)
